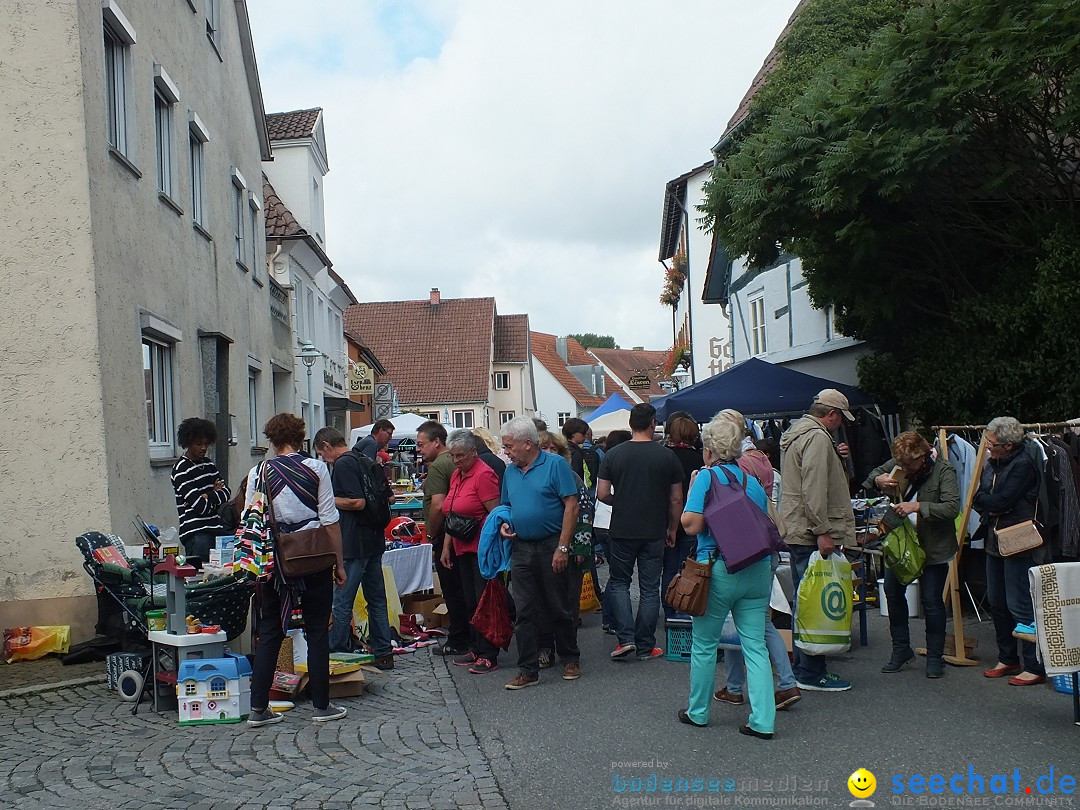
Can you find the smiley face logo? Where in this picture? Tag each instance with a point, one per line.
(862, 784)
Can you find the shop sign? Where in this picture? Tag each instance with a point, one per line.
(361, 379)
(639, 382)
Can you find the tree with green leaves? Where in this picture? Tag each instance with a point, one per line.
(592, 341)
(929, 179)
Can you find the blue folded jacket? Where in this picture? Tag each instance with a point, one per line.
(494, 552)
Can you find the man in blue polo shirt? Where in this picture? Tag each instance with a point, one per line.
(542, 495)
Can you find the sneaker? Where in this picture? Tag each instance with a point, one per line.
(483, 666)
(264, 717)
(655, 652)
(607, 629)
(331, 712)
(546, 659)
(786, 697)
(826, 683)
(466, 660)
(734, 698)
(523, 679)
(623, 650)
(385, 663)
(571, 671)
(446, 649)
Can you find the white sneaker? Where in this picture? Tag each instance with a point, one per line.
(331, 712)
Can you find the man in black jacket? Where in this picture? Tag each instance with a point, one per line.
(363, 546)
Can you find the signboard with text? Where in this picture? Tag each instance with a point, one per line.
(639, 382)
(361, 379)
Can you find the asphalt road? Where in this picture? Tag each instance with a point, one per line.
(573, 744)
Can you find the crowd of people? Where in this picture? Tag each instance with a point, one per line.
(564, 505)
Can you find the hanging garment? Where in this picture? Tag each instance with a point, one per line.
(1064, 480)
(962, 455)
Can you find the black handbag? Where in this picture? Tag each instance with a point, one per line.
(463, 527)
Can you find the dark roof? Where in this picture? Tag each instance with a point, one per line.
(511, 339)
(431, 354)
(279, 219)
(543, 349)
(767, 67)
(290, 126)
(625, 363)
(674, 194)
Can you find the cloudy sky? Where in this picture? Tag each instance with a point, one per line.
(509, 148)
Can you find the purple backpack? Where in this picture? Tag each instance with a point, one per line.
(743, 533)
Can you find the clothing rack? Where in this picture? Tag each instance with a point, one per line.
(952, 583)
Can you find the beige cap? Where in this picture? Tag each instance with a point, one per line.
(832, 398)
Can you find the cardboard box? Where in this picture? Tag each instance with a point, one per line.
(426, 606)
(351, 684)
(285, 686)
(786, 636)
(440, 617)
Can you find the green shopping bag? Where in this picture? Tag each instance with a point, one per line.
(823, 609)
(902, 552)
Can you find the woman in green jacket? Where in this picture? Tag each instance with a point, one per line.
(928, 489)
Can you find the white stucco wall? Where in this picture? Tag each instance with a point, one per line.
(797, 334)
(53, 458)
(518, 399)
(291, 174)
(710, 324)
(96, 250)
(551, 397)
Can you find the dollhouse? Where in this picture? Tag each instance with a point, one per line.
(214, 690)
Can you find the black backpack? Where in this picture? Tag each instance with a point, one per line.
(377, 492)
(585, 461)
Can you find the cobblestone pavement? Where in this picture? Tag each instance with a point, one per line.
(405, 744)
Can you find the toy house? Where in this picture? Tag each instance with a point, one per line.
(214, 690)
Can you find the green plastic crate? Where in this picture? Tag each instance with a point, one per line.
(680, 638)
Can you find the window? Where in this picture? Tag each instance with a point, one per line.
(197, 136)
(190, 688)
(757, 326)
(463, 419)
(253, 406)
(298, 288)
(258, 235)
(502, 380)
(562, 417)
(309, 315)
(238, 188)
(213, 20)
(219, 688)
(316, 207)
(505, 416)
(431, 415)
(163, 142)
(119, 36)
(158, 379)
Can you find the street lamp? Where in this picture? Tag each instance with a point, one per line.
(309, 354)
(680, 376)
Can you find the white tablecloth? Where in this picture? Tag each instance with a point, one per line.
(411, 568)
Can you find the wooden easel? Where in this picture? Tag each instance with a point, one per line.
(952, 583)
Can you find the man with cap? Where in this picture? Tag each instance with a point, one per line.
(815, 506)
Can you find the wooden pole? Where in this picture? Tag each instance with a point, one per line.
(952, 585)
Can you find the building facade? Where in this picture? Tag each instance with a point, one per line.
(569, 381)
(141, 295)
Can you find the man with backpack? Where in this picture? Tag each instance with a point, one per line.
(363, 499)
(584, 459)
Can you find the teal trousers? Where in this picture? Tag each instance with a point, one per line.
(746, 596)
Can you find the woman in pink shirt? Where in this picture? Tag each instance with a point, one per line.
(474, 491)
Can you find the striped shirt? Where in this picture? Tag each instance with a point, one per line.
(191, 480)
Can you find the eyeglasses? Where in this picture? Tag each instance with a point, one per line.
(996, 444)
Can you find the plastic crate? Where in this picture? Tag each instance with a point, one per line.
(1062, 683)
(680, 637)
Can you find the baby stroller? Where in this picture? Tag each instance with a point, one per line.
(130, 584)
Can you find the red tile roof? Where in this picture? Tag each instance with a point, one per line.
(511, 338)
(289, 126)
(279, 219)
(625, 363)
(766, 68)
(431, 354)
(543, 349)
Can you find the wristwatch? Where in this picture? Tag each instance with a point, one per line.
(564, 549)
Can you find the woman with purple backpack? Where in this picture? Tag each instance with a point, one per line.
(744, 594)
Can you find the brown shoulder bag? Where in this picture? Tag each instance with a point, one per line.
(688, 592)
(307, 551)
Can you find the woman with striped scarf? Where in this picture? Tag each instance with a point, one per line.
(302, 498)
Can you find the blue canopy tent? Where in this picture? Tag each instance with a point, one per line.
(754, 388)
(613, 403)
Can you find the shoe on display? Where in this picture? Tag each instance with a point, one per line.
(826, 683)
(331, 712)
